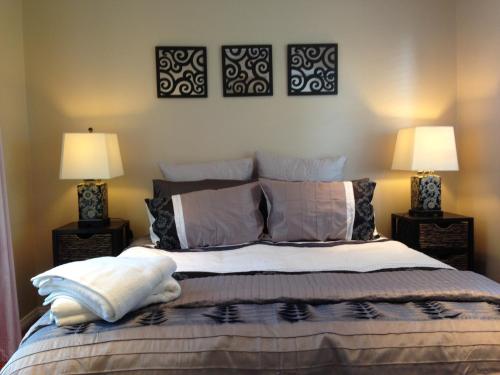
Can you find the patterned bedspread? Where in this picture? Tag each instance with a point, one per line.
(412, 321)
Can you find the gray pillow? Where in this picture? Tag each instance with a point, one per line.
(241, 169)
(319, 211)
(165, 189)
(284, 168)
(218, 217)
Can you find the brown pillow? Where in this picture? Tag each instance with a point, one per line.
(218, 217)
(165, 189)
(319, 211)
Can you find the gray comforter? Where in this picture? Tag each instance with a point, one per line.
(393, 322)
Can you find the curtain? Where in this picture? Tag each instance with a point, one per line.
(10, 330)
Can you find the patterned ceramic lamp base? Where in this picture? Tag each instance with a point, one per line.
(93, 203)
(426, 195)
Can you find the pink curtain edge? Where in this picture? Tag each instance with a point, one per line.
(10, 328)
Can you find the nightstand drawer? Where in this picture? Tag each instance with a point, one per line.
(74, 247)
(459, 261)
(453, 235)
(73, 243)
(453, 257)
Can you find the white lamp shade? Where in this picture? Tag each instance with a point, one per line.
(426, 148)
(90, 156)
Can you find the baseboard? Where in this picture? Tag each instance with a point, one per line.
(31, 317)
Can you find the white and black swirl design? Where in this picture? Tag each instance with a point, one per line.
(181, 72)
(312, 69)
(247, 70)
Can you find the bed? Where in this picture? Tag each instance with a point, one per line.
(265, 289)
(346, 307)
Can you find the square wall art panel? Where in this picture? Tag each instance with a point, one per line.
(312, 69)
(181, 72)
(247, 70)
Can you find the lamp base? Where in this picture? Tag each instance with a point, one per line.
(93, 203)
(426, 195)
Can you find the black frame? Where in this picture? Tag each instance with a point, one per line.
(191, 94)
(269, 70)
(327, 46)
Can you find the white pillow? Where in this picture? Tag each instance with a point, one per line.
(278, 167)
(240, 169)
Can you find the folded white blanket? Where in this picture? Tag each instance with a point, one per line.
(67, 311)
(108, 287)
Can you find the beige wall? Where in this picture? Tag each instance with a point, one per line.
(16, 142)
(478, 72)
(91, 63)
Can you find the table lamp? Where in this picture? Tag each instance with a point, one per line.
(91, 157)
(426, 149)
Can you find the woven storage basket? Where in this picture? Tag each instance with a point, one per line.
(454, 235)
(73, 247)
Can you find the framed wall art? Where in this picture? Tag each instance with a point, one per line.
(247, 70)
(181, 72)
(313, 69)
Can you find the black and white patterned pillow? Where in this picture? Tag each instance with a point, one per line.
(164, 224)
(364, 218)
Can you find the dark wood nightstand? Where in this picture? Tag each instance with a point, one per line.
(71, 242)
(449, 238)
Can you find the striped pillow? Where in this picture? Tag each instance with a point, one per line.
(208, 218)
(319, 211)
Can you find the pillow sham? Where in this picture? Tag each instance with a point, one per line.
(152, 235)
(166, 189)
(163, 226)
(208, 217)
(240, 169)
(319, 211)
(284, 168)
(364, 215)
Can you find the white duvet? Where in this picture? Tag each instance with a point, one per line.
(363, 257)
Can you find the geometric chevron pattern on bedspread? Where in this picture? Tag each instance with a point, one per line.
(275, 313)
(399, 322)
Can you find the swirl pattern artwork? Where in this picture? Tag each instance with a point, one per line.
(247, 70)
(181, 72)
(312, 69)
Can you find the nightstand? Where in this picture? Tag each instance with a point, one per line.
(72, 243)
(448, 238)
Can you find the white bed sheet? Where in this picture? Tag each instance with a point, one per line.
(363, 257)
